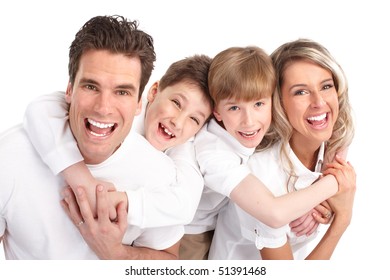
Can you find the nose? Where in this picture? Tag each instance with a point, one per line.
(317, 100)
(178, 121)
(103, 103)
(247, 117)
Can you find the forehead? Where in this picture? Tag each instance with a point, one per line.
(304, 69)
(104, 66)
(190, 95)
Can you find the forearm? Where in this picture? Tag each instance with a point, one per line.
(328, 243)
(167, 205)
(78, 175)
(46, 123)
(255, 198)
(295, 204)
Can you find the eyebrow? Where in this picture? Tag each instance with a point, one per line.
(303, 85)
(122, 86)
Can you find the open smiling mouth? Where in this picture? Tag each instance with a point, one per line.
(250, 134)
(318, 121)
(166, 132)
(99, 129)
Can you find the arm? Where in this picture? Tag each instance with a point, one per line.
(225, 171)
(103, 236)
(257, 200)
(58, 148)
(341, 204)
(322, 213)
(169, 205)
(281, 253)
(46, 123)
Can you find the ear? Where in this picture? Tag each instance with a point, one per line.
(139, 108)
(217, 115)
(153, 92)
(69, 92)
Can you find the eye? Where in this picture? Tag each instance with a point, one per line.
(327, 86)
(259, 104)
(177, 103)
(196, 120)
(233, 108)
(91, 87)
(122, 92)
(300, 92)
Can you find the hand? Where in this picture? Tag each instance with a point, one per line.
(112, 207)
(102, 235)
(304, 225)
(342, 202)
(90, 192)
(323, 213)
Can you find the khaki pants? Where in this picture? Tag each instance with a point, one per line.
(195, 246)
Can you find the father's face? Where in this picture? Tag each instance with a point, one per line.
(103, 102)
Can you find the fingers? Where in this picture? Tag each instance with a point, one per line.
(338, 163)
(310, 228)
(71, 207)
(122, 216)
(85, 211)
(303, 225)
(297, 222)
(323, 217)
(105, 210)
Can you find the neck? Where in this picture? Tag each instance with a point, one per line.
(307, 153)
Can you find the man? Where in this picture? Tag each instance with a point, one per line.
(110, 63)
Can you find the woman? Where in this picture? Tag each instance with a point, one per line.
(312, 126)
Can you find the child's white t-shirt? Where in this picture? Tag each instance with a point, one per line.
(238, 235)
(222, 161)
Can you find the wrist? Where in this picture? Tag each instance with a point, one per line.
(118, 197)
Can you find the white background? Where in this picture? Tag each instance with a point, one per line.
(35, 38)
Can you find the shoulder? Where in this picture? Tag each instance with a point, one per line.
(265, 157)
(14, 136)
(212, 137)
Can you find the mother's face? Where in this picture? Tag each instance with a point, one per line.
(310, 100)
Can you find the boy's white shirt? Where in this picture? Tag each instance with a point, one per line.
(238, 235)
(46, 122)
(222, 161)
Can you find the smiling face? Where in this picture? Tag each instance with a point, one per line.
(310, 100)
(175, 114)
(247, 121)
(103, 102)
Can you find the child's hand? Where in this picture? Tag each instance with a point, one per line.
(304, 225)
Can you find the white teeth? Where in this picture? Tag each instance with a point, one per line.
(249, 134)
(100, 125)
(97, 134)
(167, 131)
(317, 118)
